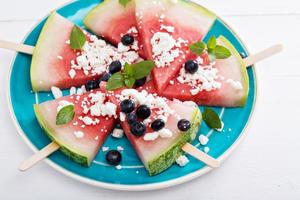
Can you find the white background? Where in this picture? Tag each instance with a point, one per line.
(265, 166)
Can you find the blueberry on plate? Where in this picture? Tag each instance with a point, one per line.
(191, 66)
(105, 77)
(91, 85)
(140, 82)
(127, 40)
(113, 157)
(115, 67)
(143, 112)
(138, 129)
(158, 124)
(131, 118)
(127, 106)
(184, 125)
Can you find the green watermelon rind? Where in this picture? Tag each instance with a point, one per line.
(34, 67)
(166, 159)
(77, 157)
(243, 69)
(197, 8)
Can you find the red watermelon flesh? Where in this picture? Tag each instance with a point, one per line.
(161, 153)
(81, 138)
(232, 75)
(54, 63)
(167, 29)
(112, 20)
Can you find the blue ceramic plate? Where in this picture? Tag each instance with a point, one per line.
(133, 176)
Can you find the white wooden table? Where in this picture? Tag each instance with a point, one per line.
(265, 166)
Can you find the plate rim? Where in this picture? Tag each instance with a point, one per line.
(132, 187)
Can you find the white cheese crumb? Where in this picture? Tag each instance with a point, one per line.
(72, 90)
(79, 91)
(87, 120)
(60, 57)
(182, 161)
(169, 29)
(151, 136)
(120, 148)
(206, 149)
(72, 73)
(118, 167)
(165, 133)
(97, 137)
(104, 149)
(78, 134)
(203, 139)
(57, 93)
(122, 116)
(117, 133)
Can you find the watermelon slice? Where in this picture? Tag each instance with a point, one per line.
(232, 78)
(112, 20)
(81, 138)
(53, 57)
(168, 28)
(160, 152)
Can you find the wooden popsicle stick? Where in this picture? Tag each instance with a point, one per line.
(250, 60)
(23, 48)
(39, 156)
(201, 156)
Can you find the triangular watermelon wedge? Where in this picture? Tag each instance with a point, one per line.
(112, 20)
(232, 82)
(158, 154)
(54, 63)
(168, 28)
(81, 138)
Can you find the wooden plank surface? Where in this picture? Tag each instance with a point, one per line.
(265, 166)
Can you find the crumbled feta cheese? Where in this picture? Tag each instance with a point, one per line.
(78, 134)
(117, 133)
(118, 167)
(57, 93)
(169, 29)
(165, 133)
(182, 161)
(72, 73)
(122, 117)
(235, 84)
(206, 149)
(60, 57)
(151, 136)
(79, 91)
(87, 120)
(62, 104)
(203, 139)
(120, 148)
(104, 149)
(122, 47)
(98, 97)
(72, 90)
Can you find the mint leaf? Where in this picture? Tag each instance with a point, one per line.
(128, 70)
(65, 115)
(129, 82)
(116, 81)
(198, 47)
(211, 118)
(222, 52)
(211, 44)
(124, 2)
(77, 38)
(142, 69)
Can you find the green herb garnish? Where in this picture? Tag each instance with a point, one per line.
(214, 51)
(124, 2)
(211, 118)
(130, 74)
(77, 38)
(65, 115)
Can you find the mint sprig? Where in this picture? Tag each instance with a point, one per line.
(77, 38)
(130, 74)
(214, 51)
(124, 2)
(65, 115)
(211, 118)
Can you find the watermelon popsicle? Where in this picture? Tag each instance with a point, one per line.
(80, 138)
(156, 127)
(54, 56)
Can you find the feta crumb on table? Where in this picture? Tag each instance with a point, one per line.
(182, 161)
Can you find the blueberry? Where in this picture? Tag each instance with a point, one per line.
(143, 112)
(243, 55)
(127, 40)
(113, 157)
(184, 125)
(91, 85)
(138, 129)
(191, 66)
(140, 82)
(131, 118)
(115, 67)
(105, 77)
(157, 124)
(127, 106)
